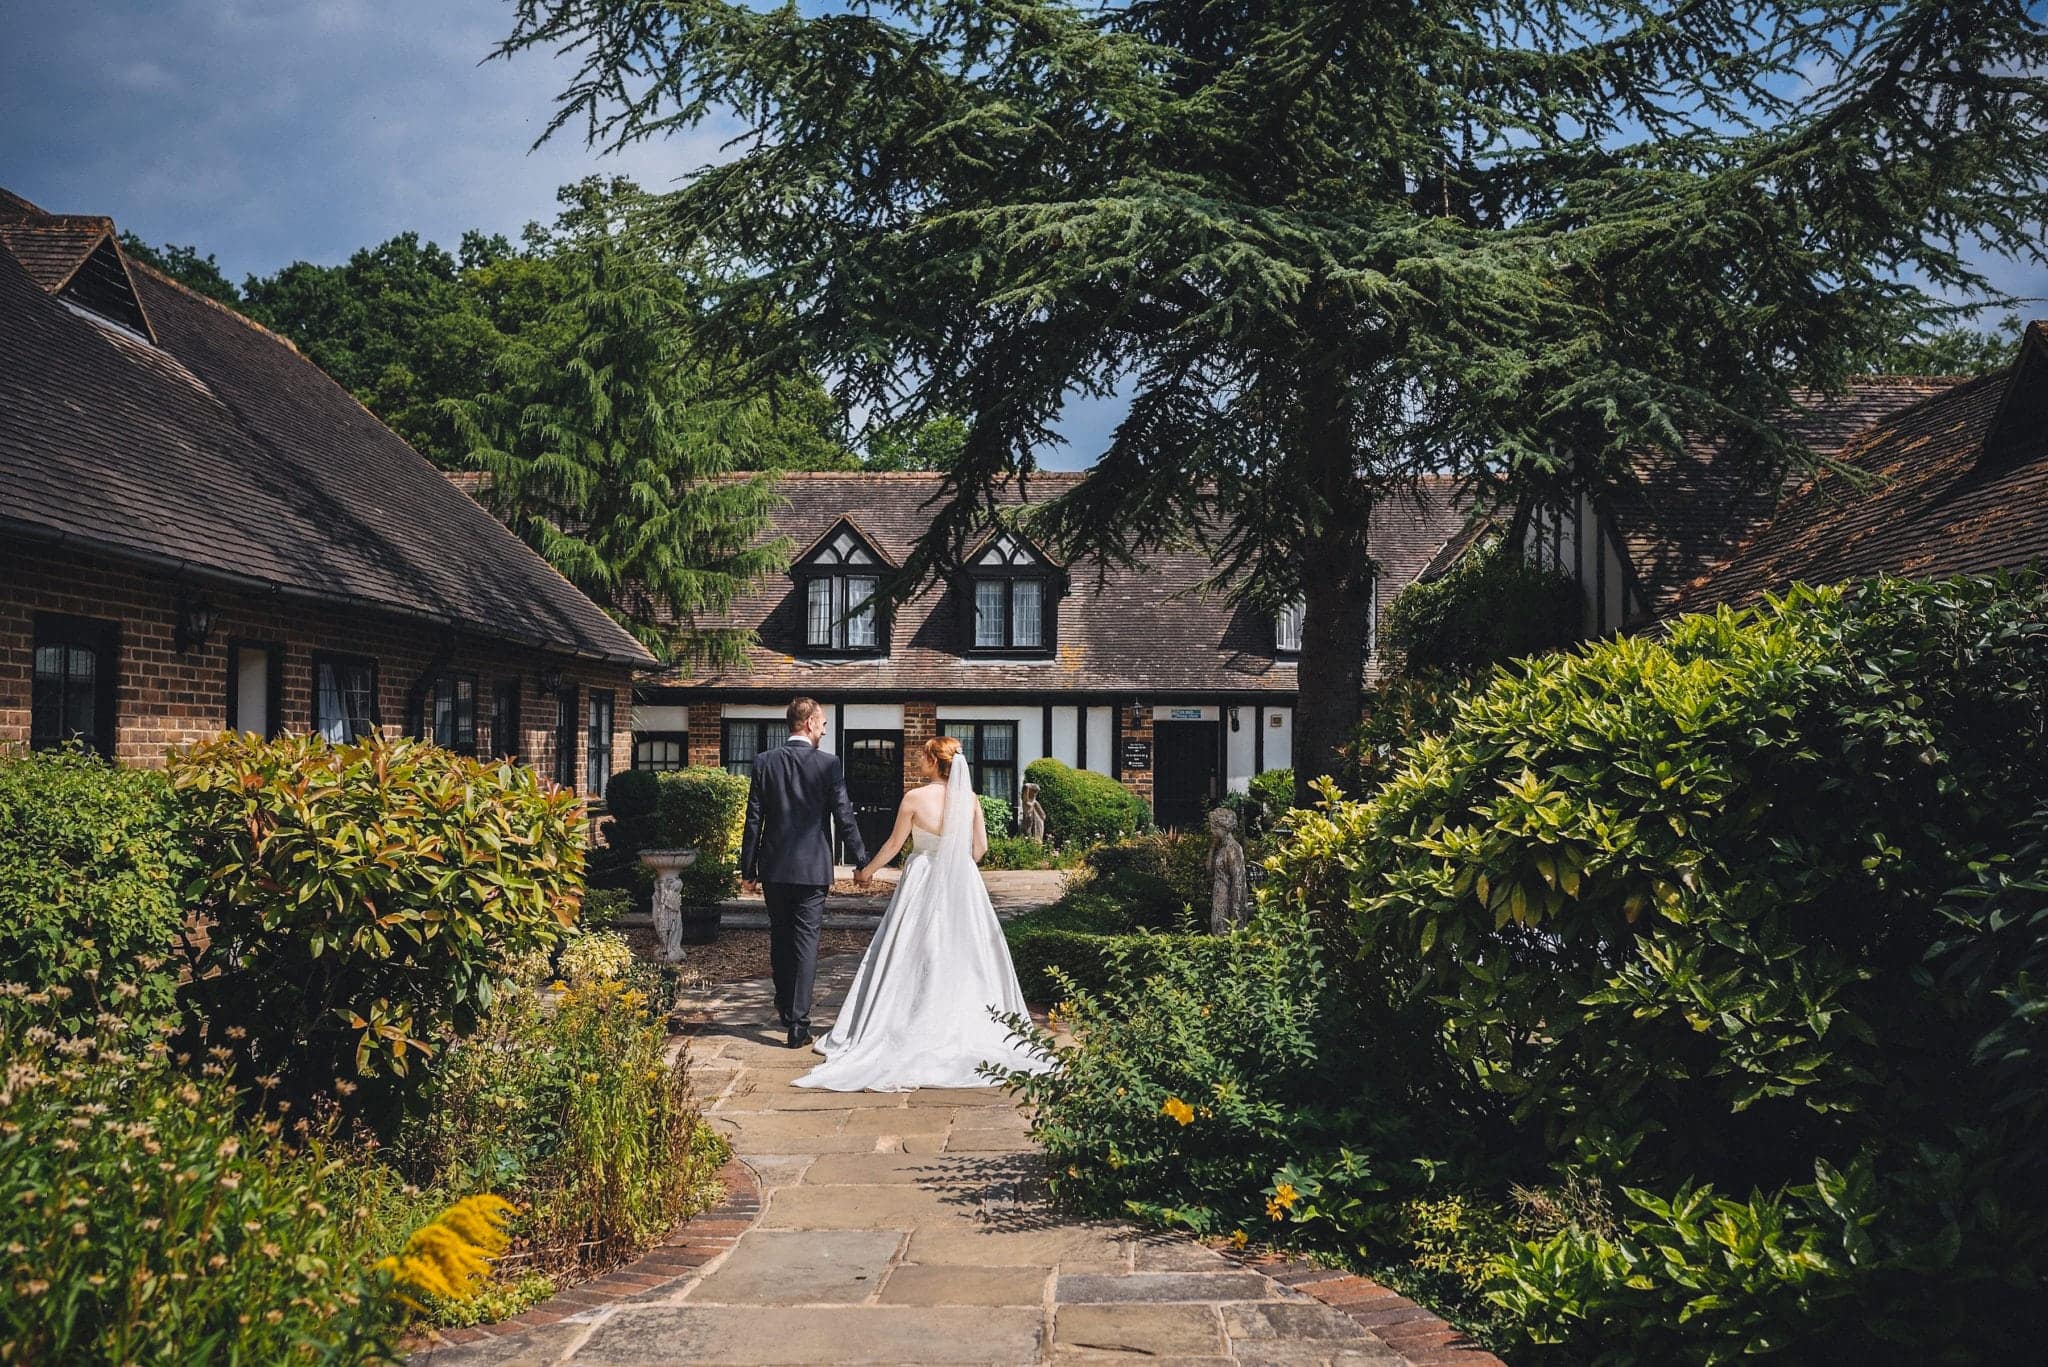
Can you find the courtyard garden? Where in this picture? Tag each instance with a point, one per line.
(307, 1048)
(1671, 999)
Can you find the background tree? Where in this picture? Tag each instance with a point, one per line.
(609, 456)
(1955, 349)
(1322, 246)
(933, 444)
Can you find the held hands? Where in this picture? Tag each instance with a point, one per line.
(863, 876)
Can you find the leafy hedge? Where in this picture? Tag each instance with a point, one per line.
(361, 897)
(1695, 986)
(93, 866)
(1083, 807)
(1123, 893)
(704, 809)
(1491, 607)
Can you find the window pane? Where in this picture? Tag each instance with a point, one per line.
(998, 741)
(1028, 601)
(330, 716)
(860, 628)
(598, 747)
(741, 737)
(1287, 627)
(997, 780)
(358, 683)
(988, 612)
(774, 733)
(818, 614)
(465, 715)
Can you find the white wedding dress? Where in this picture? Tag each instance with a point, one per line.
(924, 1005)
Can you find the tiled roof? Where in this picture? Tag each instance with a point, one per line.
(1679, 513)
(1141, 631)
(1924, 500)
(221, 454)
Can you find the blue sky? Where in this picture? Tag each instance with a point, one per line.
(267, 131)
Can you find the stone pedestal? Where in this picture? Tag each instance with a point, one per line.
(668, 866)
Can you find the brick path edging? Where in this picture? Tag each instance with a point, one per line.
(655, 1273)
(1421, 1337)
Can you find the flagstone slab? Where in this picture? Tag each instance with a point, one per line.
(949, 1171)
(1153, 1331)
(801, 1267)
(979, 1246)
(868, 1206)
(964, 1140)
(1154, 1287)
(922, 1284)
(1289, 1320)
(669, 1336)
(897, 1120)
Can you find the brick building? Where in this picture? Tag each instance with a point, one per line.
(200, 530)
(1128, 672)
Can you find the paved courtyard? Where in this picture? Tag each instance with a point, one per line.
(910, 1229)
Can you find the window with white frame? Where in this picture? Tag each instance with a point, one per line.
(1287, 628)
(841, 582)
(1011, 601)
(344, 696)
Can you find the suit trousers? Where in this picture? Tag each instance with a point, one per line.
(796, 914)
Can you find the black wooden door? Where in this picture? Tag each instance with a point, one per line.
(874, 780)
(1187, 772)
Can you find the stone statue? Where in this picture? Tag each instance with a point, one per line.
(1229, 902)
(667, 904)
(1031, 817)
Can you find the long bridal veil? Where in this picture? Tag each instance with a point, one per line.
(924, 1007)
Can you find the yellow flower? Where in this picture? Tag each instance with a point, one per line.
(1238, 1238)
(1283, 1199)
(451, 1255)
(1179, 1110)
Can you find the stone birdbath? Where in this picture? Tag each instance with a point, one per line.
(670, 923)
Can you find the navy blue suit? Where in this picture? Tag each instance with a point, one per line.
(796, 793)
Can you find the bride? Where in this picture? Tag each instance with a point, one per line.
(922, 1012)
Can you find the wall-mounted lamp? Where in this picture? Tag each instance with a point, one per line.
(195, 624)
(551, 680)
(1236, 722)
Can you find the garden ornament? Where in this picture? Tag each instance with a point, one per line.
(1031, 818)
(1228, 903)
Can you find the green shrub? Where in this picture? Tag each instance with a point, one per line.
(576, 1110)
(1241, 1032)
(603, 907)
(1157, 880)
(1695, 870)
(705, 809)
(1083, 807)
(1263, 804)
(1493, 606)
(1684, 906)
(93, 865)
(633, 799)
(140, 1223)
(997, 815)
(1017, 852)
(1397, 714)
(362, 896)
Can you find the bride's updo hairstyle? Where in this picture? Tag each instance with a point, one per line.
(939, 752)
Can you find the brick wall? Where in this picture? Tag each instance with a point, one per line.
(166, 699)
(920, 724)
(1138, 726)
(707, 734)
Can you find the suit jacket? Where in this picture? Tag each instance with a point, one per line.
(796, 793)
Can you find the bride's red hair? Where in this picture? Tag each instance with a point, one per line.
(939, 750)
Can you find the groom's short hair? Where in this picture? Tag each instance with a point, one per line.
(801, 710)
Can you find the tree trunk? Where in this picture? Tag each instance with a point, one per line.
(1337, 578)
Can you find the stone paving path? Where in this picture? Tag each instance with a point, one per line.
(909, 1229)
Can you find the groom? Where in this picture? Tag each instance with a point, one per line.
(797, 792)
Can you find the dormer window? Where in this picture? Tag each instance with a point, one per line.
(841, 579)
(1287, 628)
(1011, 600)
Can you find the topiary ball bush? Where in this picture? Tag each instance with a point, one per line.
(362, 897)
(93, 865)
(1083, 807)
(704, 809)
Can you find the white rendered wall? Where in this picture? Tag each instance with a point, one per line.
(874, 716)
(1240, 747)
(1279, 738)
(1101, 736)
(1065, 734)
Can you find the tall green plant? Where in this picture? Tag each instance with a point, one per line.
(361, 898)
(705, 809)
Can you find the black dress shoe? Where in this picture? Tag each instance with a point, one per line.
(799, 1036)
